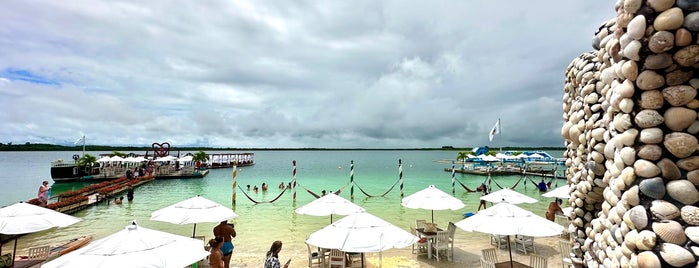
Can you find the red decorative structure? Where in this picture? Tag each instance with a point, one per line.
(161, 149)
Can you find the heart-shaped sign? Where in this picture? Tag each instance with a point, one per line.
(161, 150)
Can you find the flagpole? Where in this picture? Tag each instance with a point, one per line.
(500, 132)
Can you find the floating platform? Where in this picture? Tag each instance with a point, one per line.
(506, 172)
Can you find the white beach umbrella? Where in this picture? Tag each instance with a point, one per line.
(508, 219)
(104, 159)
(165, 158)
(562, 192)
(433, 199)
(194, 210)
(509, 196)
(135, 246)
(488, 158)
(130, 159)
(24, 218)
(328, 205)
(116, 158)
(185, 158)
(361, 232)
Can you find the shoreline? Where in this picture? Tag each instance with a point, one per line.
(467, 253)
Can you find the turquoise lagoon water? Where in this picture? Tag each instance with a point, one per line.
(259, 225)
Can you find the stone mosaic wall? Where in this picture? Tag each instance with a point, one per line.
(630, 111)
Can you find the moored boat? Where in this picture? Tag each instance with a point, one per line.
(69, 246)
(64, 171)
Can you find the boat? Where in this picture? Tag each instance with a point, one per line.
(69, 246)
(226, 160)
(158, 163)
(39, 255)
(70, 171)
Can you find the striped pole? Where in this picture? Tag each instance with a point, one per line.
(453, 179)
(400, 176)
(293, 174)
(352, 179)
(555, 170)
(235, 182)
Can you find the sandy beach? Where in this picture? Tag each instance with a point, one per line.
(467, 252)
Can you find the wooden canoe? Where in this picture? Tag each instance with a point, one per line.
(70, 245)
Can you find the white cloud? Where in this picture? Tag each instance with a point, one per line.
(290, 74)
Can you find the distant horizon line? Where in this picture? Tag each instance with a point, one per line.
(56, 147)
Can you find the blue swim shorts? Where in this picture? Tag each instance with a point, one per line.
(227, 248)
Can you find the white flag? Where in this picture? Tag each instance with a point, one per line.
(495, 130)
(80, 140)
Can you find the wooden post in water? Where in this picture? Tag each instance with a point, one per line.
(352, 179)
(400, 176)
(235, 182)
(453, 179)
(293, 187)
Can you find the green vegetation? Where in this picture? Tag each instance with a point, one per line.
(119, 154)
(87, 160)
(200, 157)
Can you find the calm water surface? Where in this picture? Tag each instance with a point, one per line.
(259, 225)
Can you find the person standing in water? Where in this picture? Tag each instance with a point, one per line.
(227, 231)
(43, 194)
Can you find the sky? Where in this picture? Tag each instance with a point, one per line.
(290, 74)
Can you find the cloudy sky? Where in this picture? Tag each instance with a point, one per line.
(290, 74)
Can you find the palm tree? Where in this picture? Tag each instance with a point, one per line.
(87, 161)
(119, 154)
(462, 156)
(199, 158)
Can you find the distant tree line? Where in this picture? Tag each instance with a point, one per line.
(53, 147)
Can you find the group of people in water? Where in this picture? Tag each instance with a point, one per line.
(264, 187)
(129, 196)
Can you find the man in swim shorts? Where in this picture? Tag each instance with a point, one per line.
(227, 231)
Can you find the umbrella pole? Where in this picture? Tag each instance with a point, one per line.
(195, 230)
(14, 252)
(433, 216)
(509, 248)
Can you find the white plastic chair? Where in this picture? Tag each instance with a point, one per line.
(524, 243)
(419, 247)
(537, 261)
(499, 241)
(420, 224)
(441, 243)
(313, 256)
(487, 264)
(490, 255)
(565, 253)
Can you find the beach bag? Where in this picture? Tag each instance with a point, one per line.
(6, 260)
(430, 227)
